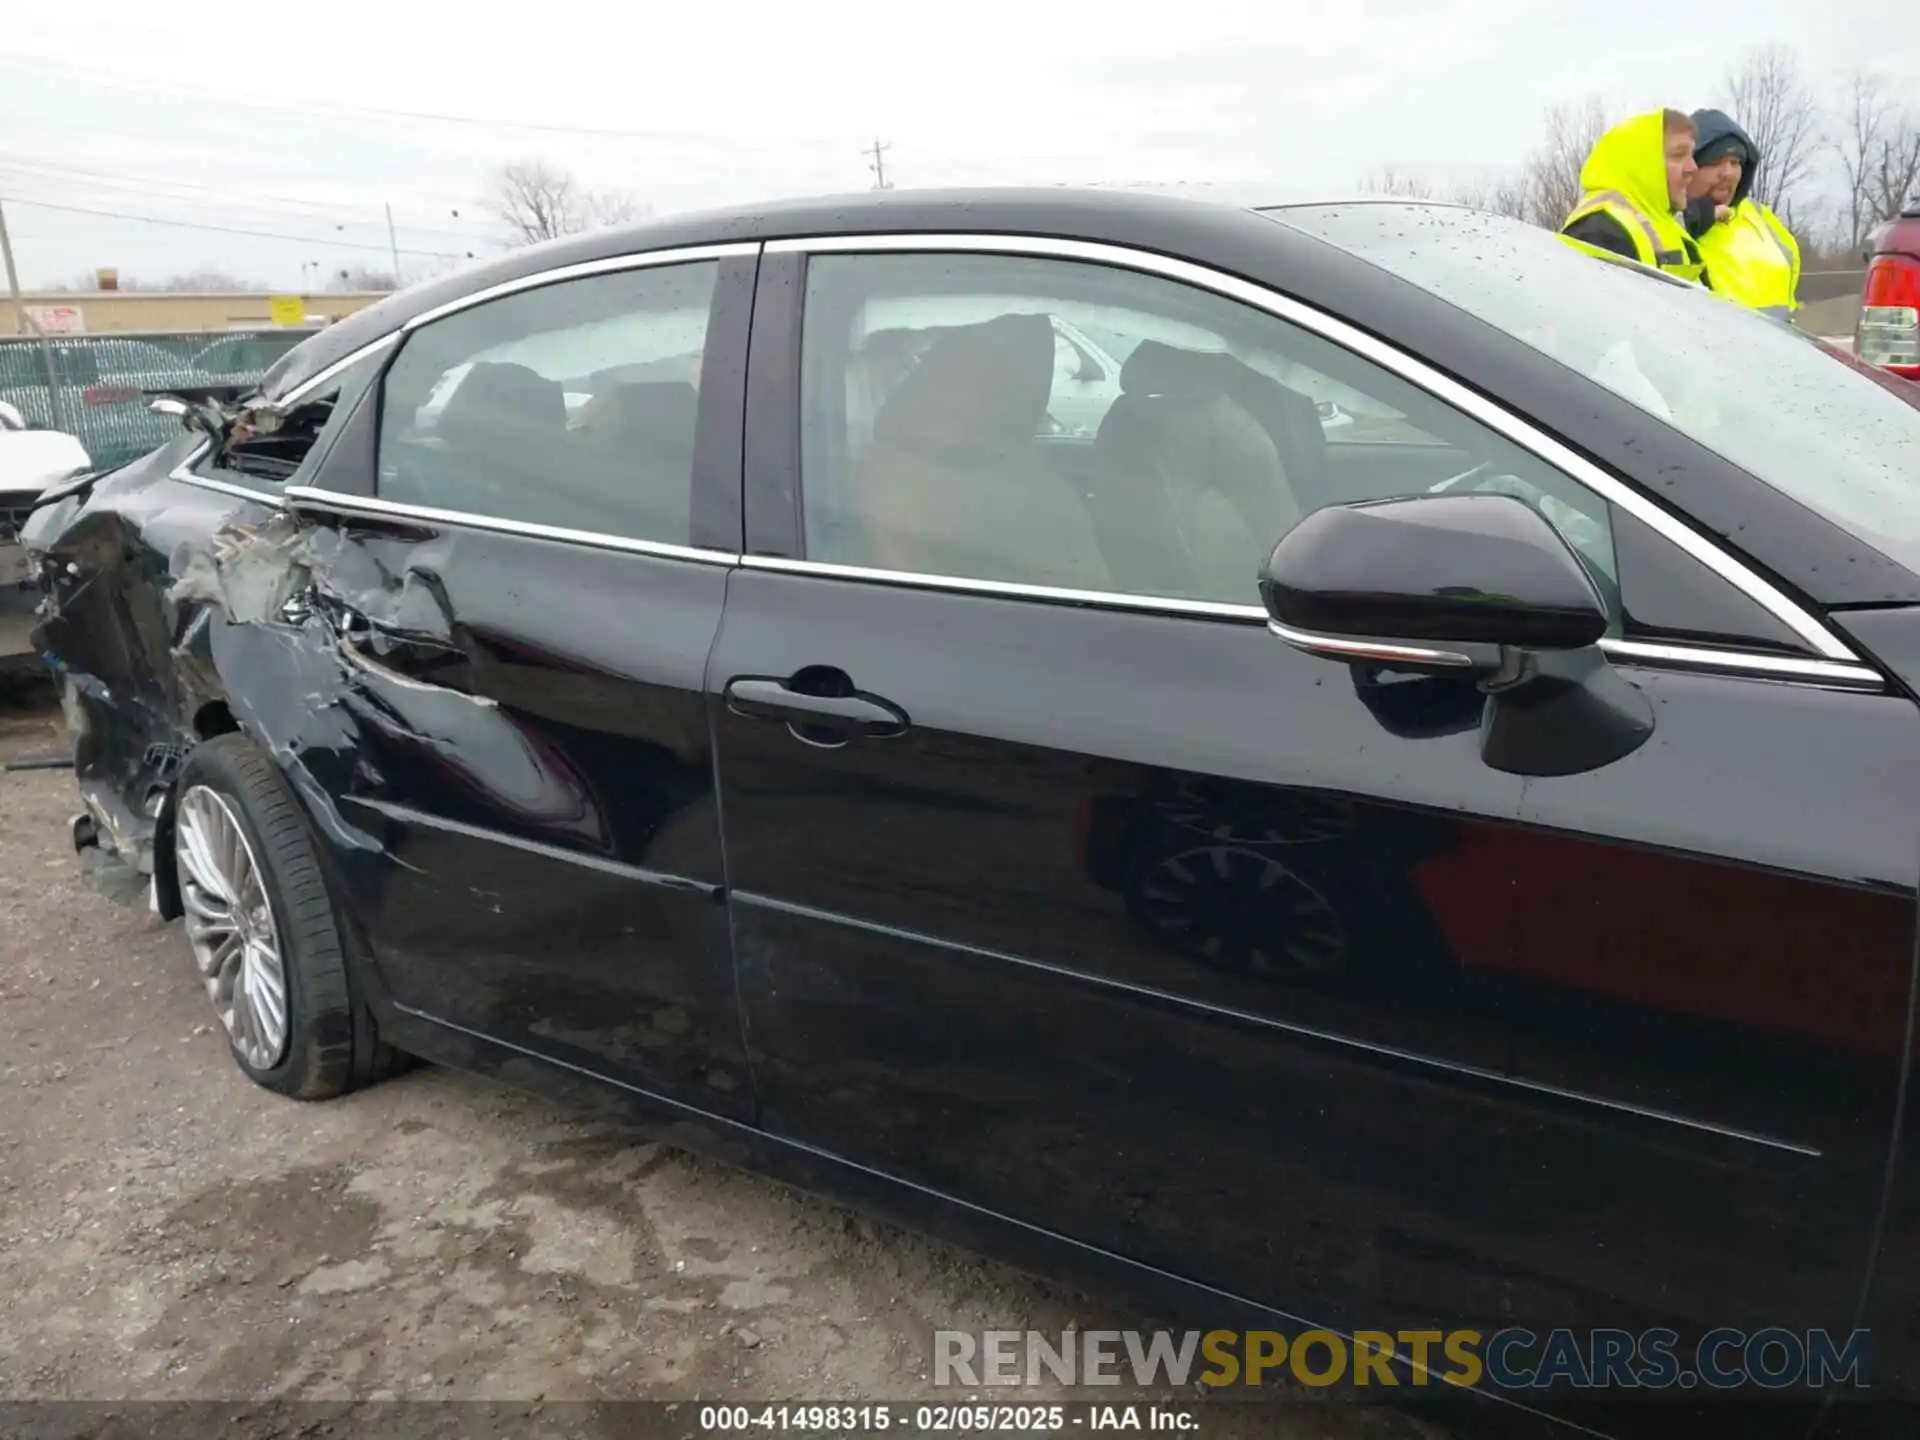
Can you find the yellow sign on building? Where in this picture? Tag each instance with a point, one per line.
(287, 309)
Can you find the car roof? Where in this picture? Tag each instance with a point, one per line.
(1194, 211)
(1223, 234)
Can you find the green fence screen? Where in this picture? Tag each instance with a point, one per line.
(103, 383)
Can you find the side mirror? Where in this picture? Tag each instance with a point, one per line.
(203, 416)
(1479, 588)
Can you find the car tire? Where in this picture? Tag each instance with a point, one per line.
(326, 1044)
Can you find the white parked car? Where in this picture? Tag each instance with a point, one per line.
(30, 461)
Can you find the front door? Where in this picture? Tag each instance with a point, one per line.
(1062, 886)
(525, 585)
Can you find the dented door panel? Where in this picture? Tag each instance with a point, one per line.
(531, 755)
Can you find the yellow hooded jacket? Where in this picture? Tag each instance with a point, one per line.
(1625, 178)
(1754, 259)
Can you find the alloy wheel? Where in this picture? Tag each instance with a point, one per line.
(232, 927)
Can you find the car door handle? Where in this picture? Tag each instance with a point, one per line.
(839, 715)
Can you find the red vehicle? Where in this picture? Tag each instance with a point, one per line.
(1888, 333)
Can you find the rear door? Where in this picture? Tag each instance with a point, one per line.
(522, 548)
(1062, 886)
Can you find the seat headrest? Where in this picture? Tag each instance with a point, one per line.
(495, 395)
(1156, 368)
(893, 346)
(976, 387)
(661, 413)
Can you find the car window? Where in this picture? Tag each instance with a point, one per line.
(289, 452)
(950, 427)
(571, 405)
(1752, 389)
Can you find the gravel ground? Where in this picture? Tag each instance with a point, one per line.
(169, 1231)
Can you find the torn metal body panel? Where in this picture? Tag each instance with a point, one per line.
(110, 626)
(488, 777)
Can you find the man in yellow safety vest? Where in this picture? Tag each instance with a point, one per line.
(1751, 256)
(1634, 186)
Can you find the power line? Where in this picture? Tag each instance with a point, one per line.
(34, 170)
(95, 193)
(40, 64)
(879, 163)
(230, 229)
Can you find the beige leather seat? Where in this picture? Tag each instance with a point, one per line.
(1192, 493)
(953, 483)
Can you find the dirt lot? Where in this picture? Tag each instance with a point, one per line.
(168, 1231)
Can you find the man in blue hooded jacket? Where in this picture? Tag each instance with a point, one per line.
(1751, 256)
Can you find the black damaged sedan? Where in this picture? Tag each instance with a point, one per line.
(1343, 766)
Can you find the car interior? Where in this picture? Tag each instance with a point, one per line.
(1201, 461)
(625, 447)
(937, 449)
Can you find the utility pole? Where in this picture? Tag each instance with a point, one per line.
(393, 245)
(13, 280)
(879, 164)
(23, 324)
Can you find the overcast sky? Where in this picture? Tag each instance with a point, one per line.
(271, 120)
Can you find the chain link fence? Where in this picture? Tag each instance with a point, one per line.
(101, 384)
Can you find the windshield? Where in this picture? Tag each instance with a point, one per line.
(1752, 389)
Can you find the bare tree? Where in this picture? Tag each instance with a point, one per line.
(1859, 137)
(1879, 148)
(535, 201)
(1499, 195)
(1389, 181)
(207, 280)
(1551, 178)
(1772, 102)
(538, 201)
(614, 207)
(1543, 190)
(1896, 176)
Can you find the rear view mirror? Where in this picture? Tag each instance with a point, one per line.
(1480, 588)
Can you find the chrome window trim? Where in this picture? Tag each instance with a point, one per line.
(639, 260)
(314, 497)
(184, 473)
(1417, 372)
(1010, 589)
(332, 372)
(1339, 647)
(387, 509)
(1748, 663)
(612, 264)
